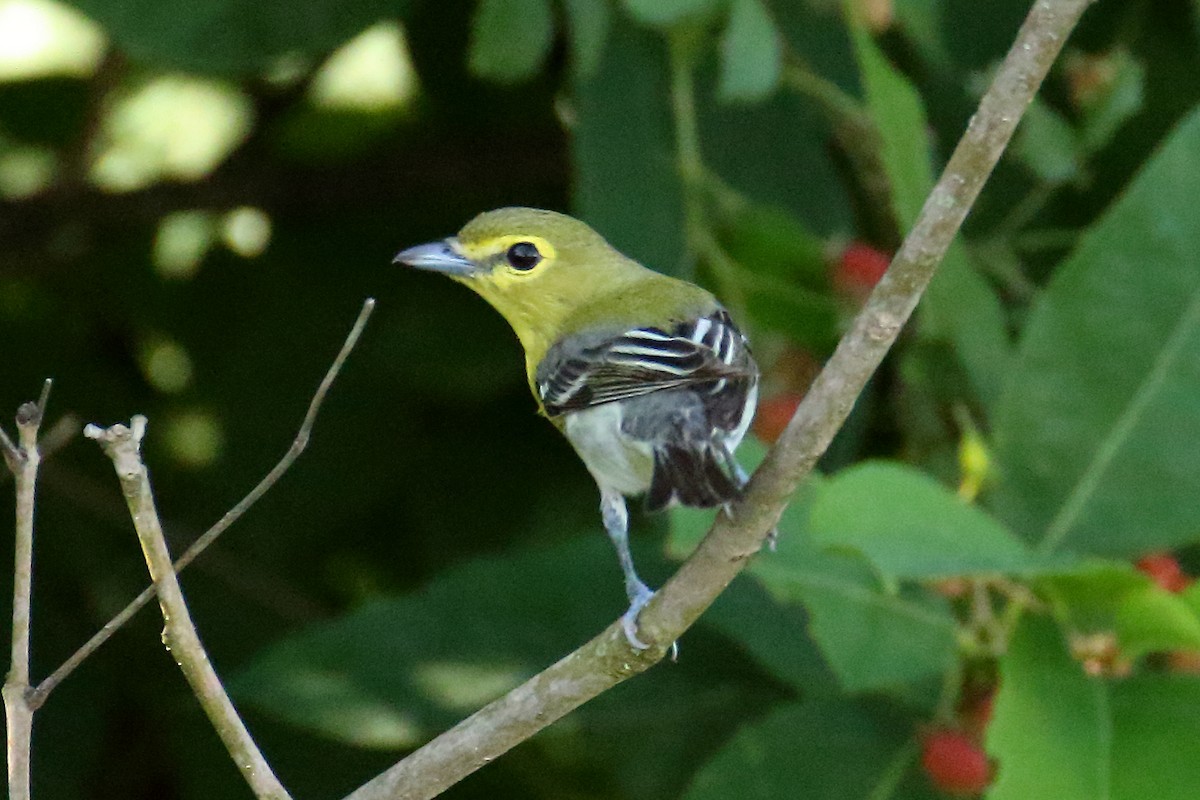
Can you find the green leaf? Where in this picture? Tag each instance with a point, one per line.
(1121, 100)
(510, 38)
(751, 53)
(832, 749)
(1096, 430)
(1050, 729)
(395, 671)
(1154, 620)
(910, 526)
(873, 639)
(959, 306)
(1156, 738)
(626, 183)
(588, 24)
(1107, 596)
(774, 633)
(1046, 143)
(760, 149)
(771, 241)
(1089, 596)
(230, 35)
(807, 317)
(922, 24)
(898, 115)
(1058, 733)
(665, 13)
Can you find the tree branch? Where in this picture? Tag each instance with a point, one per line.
(607, 660)
(123, 445)
(23, 459)
(39, 695)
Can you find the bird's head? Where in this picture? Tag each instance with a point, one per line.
(535, 267)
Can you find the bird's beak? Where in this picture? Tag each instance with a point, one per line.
(440, 256)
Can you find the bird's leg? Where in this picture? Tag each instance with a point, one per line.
(743, 479)
(616, 523)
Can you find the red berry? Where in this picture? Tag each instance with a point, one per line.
(859, 268)
(1164, 570)
(774, 414)
(955, 763)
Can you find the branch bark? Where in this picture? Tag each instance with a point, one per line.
(23, 460)
(607, 660)
(123, 445)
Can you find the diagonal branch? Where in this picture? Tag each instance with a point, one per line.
(39, 695)
(607, 660)
(124, 446)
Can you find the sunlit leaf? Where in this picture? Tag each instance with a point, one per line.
(229, 35)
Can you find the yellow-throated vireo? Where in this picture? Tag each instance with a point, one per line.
(646, 375)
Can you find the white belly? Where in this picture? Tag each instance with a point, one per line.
(616, 461)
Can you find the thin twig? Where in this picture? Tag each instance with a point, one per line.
(733, 539)
(56, 438)
(12, 453)
(44, 689)
(123, 445)
(23, 459)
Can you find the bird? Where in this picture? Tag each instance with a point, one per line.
(646, 375)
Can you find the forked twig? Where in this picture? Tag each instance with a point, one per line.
(38, 695)
(124, 446)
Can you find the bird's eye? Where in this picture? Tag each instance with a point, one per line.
(523, 256)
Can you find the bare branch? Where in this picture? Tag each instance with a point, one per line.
(606, 660)
(23, 460)
(44, 689)
(123, 445)
(49, 443)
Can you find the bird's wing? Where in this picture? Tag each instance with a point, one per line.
(588, 371)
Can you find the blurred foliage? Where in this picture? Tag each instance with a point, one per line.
(195, 197)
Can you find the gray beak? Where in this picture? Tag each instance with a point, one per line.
(437, 257)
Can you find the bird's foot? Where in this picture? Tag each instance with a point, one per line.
(639, 596)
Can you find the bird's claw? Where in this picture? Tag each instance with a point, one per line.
(638, 599)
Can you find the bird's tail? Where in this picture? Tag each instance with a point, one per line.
(701, 477)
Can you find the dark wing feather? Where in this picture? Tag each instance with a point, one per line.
(585, 371)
